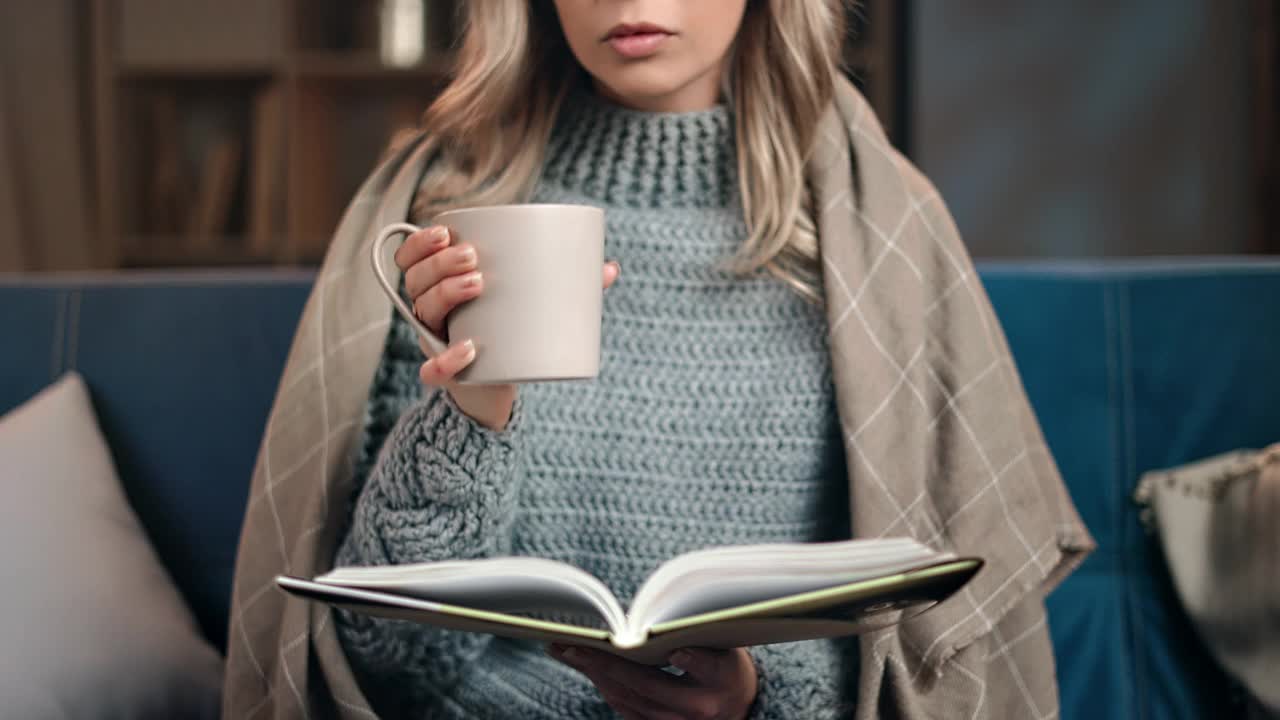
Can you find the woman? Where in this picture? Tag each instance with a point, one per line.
(712, 421)
(718, 413)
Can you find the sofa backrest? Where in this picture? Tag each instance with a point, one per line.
(1133, 366)
(1130, 366)
(182, 369)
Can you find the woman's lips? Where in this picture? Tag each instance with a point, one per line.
(637, 41)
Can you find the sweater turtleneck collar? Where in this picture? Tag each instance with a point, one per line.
(636, 159)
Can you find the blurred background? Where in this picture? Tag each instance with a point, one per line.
(162, 133)
(142, 134)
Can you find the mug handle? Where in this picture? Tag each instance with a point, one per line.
(433, 342)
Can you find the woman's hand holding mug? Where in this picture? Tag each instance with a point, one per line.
(439, 276)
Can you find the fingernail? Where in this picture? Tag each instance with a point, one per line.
(439, 235)
(468, 254)
(472, 280)
(469, 353)
(680, 659)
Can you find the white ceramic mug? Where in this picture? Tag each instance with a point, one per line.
(538, 317)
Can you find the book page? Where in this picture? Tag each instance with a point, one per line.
(452, 617)
(506, 585)
(710, 580)
(850, 609)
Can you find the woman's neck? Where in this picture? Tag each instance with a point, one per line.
(700, 93)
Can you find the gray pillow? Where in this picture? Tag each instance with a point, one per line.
(1218, 525)
(92, 626)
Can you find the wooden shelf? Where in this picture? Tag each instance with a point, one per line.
(184, 71)
(863, 58)
(143, 251)
(872, 56)
(361, 66)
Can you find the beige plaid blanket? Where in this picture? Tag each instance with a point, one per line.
(941, 444)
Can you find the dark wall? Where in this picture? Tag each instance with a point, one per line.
(1086, 128)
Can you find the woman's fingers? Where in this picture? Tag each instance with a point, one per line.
(435, 262)
(440, 299)
(420, 245)
(704, 665)
(447, 277)
(441, 369)
(441, 264)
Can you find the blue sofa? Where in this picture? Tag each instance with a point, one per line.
(1130, 366)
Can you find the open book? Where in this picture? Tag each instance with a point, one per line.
(720, 598)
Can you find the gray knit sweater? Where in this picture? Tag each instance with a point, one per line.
(712, 422)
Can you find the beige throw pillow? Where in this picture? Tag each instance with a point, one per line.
(92, 625)
(1219, 525)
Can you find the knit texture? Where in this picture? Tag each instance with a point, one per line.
(712, 422)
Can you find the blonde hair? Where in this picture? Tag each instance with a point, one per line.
(491, 124)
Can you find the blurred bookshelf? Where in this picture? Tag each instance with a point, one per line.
(1265, 51)
(234, 132)
(876, 59)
